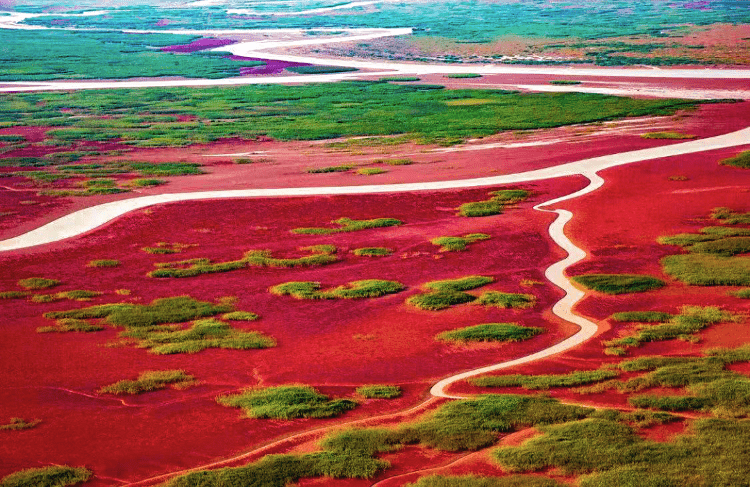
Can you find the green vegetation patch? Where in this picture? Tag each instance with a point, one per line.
(286, 402)
(103, 263)
(320, 255)
(202, 335)
(741, 160)
(371, 171)
(456, 244)
(494, 205)
(619, 283)
(151, 380)
(730, 217)
(55, 476)
(399, 78)
(379, 391)
(67, 325)
(565, 82)
(491, 332)
(167, 168)
(240, 316)
(38, 283)
(394, 162)
(167, 248)
(446, 293)
(506, 300)
(642, 316)
(349, 225)
(320, 170)
(463, 75)
(372, 251)
(690, 321)
(146, 183)
(13, 294)
(668, 135)
(536, 382)
(178, 309)
(742, 293)
(712, 453)
(19, 424)
(708, 269)
(76, 295)
(477, 481)
(368, 288)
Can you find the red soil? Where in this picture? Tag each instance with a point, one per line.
(334, 345)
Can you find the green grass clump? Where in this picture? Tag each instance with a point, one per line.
(506, 300)
(66, 325)
(13, 294)
(477, 481)
(449, 292)
(741, 160)
(619, 283)
(495, 205)
(463, 75)
(349, 225)
(368, 288)
(730, 217)
(536, 382)
(146, 183)
(287, 402)
(103, 263)
(319, 170)
(742, 293)
(151, 380)
(490, 332)
(166, 168)
(394, 162)
(240, 316)
(456, 244)
(77, 295)
(166, 248)
(55, 476)
(399, 78)
(38, 283)
(691, 320)
(642, 316)
(19, 424)
(725, 247)
(379, 391)
(370, 171)
(321, 255)
(178, 309)
(204, 334)
(372, 251)
(564, 82)
(668, 135)
(82, 192)
(713, 453)
(708, 269)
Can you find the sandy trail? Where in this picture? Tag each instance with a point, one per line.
(88, 219)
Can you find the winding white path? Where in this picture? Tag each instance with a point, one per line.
(88, 219)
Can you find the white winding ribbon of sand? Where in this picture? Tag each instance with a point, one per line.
(88, 219)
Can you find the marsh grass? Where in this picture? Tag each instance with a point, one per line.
(463, 75)
(399, 79)
(495, 205)
(619, 283)
(372, 251)
(327, 169)
(741, 160)
(240, 316)
(741, 293)
(544, 382)
(457, 244)
(490, 332)
(66, 325)
(479, 481)
(103, 263)
(146, 183)
(54, 476)
(16, 424)
(286, 402)
(690, 321)
(498, 299)
(167, 248)
(708, 269)
(446, 293)
(320, 255)
(150, 380)
(379, 391)
(642, 316)
(371, 171)
(76, 295)
(34, 283)
(13, 294)
(730, 217)
(668, 135)
(368, 288)
(349, 225)
(394, 162)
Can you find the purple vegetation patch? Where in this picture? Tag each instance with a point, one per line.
(199, 45)
(271, 66)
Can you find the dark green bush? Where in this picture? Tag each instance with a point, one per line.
(536, 382)
(379, 391)
(490, 332)
(55, 476)
(741, 160)
(151, 380)
(619, 283)
(349, 225)
(287, 402)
